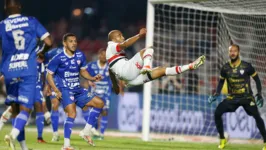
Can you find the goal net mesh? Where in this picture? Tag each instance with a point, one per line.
(187, 30)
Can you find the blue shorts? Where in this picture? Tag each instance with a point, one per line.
(39, 95)
(19, 91)
(79, 96)
(106, 100)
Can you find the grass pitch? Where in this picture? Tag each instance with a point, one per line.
(116, 143)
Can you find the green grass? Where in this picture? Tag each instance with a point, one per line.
(123, 143)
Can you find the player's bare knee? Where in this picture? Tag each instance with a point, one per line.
(98, 102)
(71, 114)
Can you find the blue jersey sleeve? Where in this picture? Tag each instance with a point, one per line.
(1, 24)
(90, 70)
(40, 30)
(83, 62)
(53, 65)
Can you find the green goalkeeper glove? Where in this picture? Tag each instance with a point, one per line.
(213, 98)
(259, 100)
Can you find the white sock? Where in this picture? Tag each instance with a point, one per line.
(147, 56)
(66, 142)
(55, 133)
(170, 71)
(23, 145)
(87, 129)
(47, 115)
(6, 115)
(14, 133)
(1, 125)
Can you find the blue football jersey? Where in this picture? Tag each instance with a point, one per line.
(103, 87)
(19, 41)
(40, 69)
(50, 54)
(66, 69)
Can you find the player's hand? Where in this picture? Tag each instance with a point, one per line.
(98, 77)
(92, 84)
(259, 100)
(142, 32)
(213, 98)
(58, 94)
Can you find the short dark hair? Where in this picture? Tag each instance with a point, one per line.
(235, 45)
(68, 35)
(12, 2)
(101, 50)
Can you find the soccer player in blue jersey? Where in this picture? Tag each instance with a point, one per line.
(67, 67)
(102, 88)
(19, 38)
(55, 102)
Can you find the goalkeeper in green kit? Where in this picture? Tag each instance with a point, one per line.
(237, 73)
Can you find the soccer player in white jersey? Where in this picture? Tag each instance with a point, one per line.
(138, 69)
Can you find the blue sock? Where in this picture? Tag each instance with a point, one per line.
(96, 125)
(21, 136)
(104, 122)
(68, 127)
(40, 123)
(21, 120)
(94, 115)
(86, 114)
(55, 120)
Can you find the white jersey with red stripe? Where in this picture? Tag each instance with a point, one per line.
(123, 68)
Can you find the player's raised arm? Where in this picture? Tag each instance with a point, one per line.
(117, 37)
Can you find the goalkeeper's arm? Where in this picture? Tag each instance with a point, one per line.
(258, 83)
(220, 86)
(259, 98)
(218, 91)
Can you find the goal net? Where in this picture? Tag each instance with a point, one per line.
(181, 31)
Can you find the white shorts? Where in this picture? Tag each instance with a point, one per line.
(128, 70)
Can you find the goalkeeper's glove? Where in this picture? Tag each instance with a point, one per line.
(259, 100)
(213, 98)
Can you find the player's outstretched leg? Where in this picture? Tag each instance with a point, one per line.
(147, 59)
(5, 117)
(97, 104)
(159, 72)
(39, 121)
(55, 118)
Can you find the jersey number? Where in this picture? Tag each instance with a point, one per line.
(19, 40)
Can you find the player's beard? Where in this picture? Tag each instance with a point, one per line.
(234, 59)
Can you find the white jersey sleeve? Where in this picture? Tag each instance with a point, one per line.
(113, 49)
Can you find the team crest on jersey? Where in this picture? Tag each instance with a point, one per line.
(107, 73)
(242, 71)
(72, 61)
(78, 61)
(72, 98)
